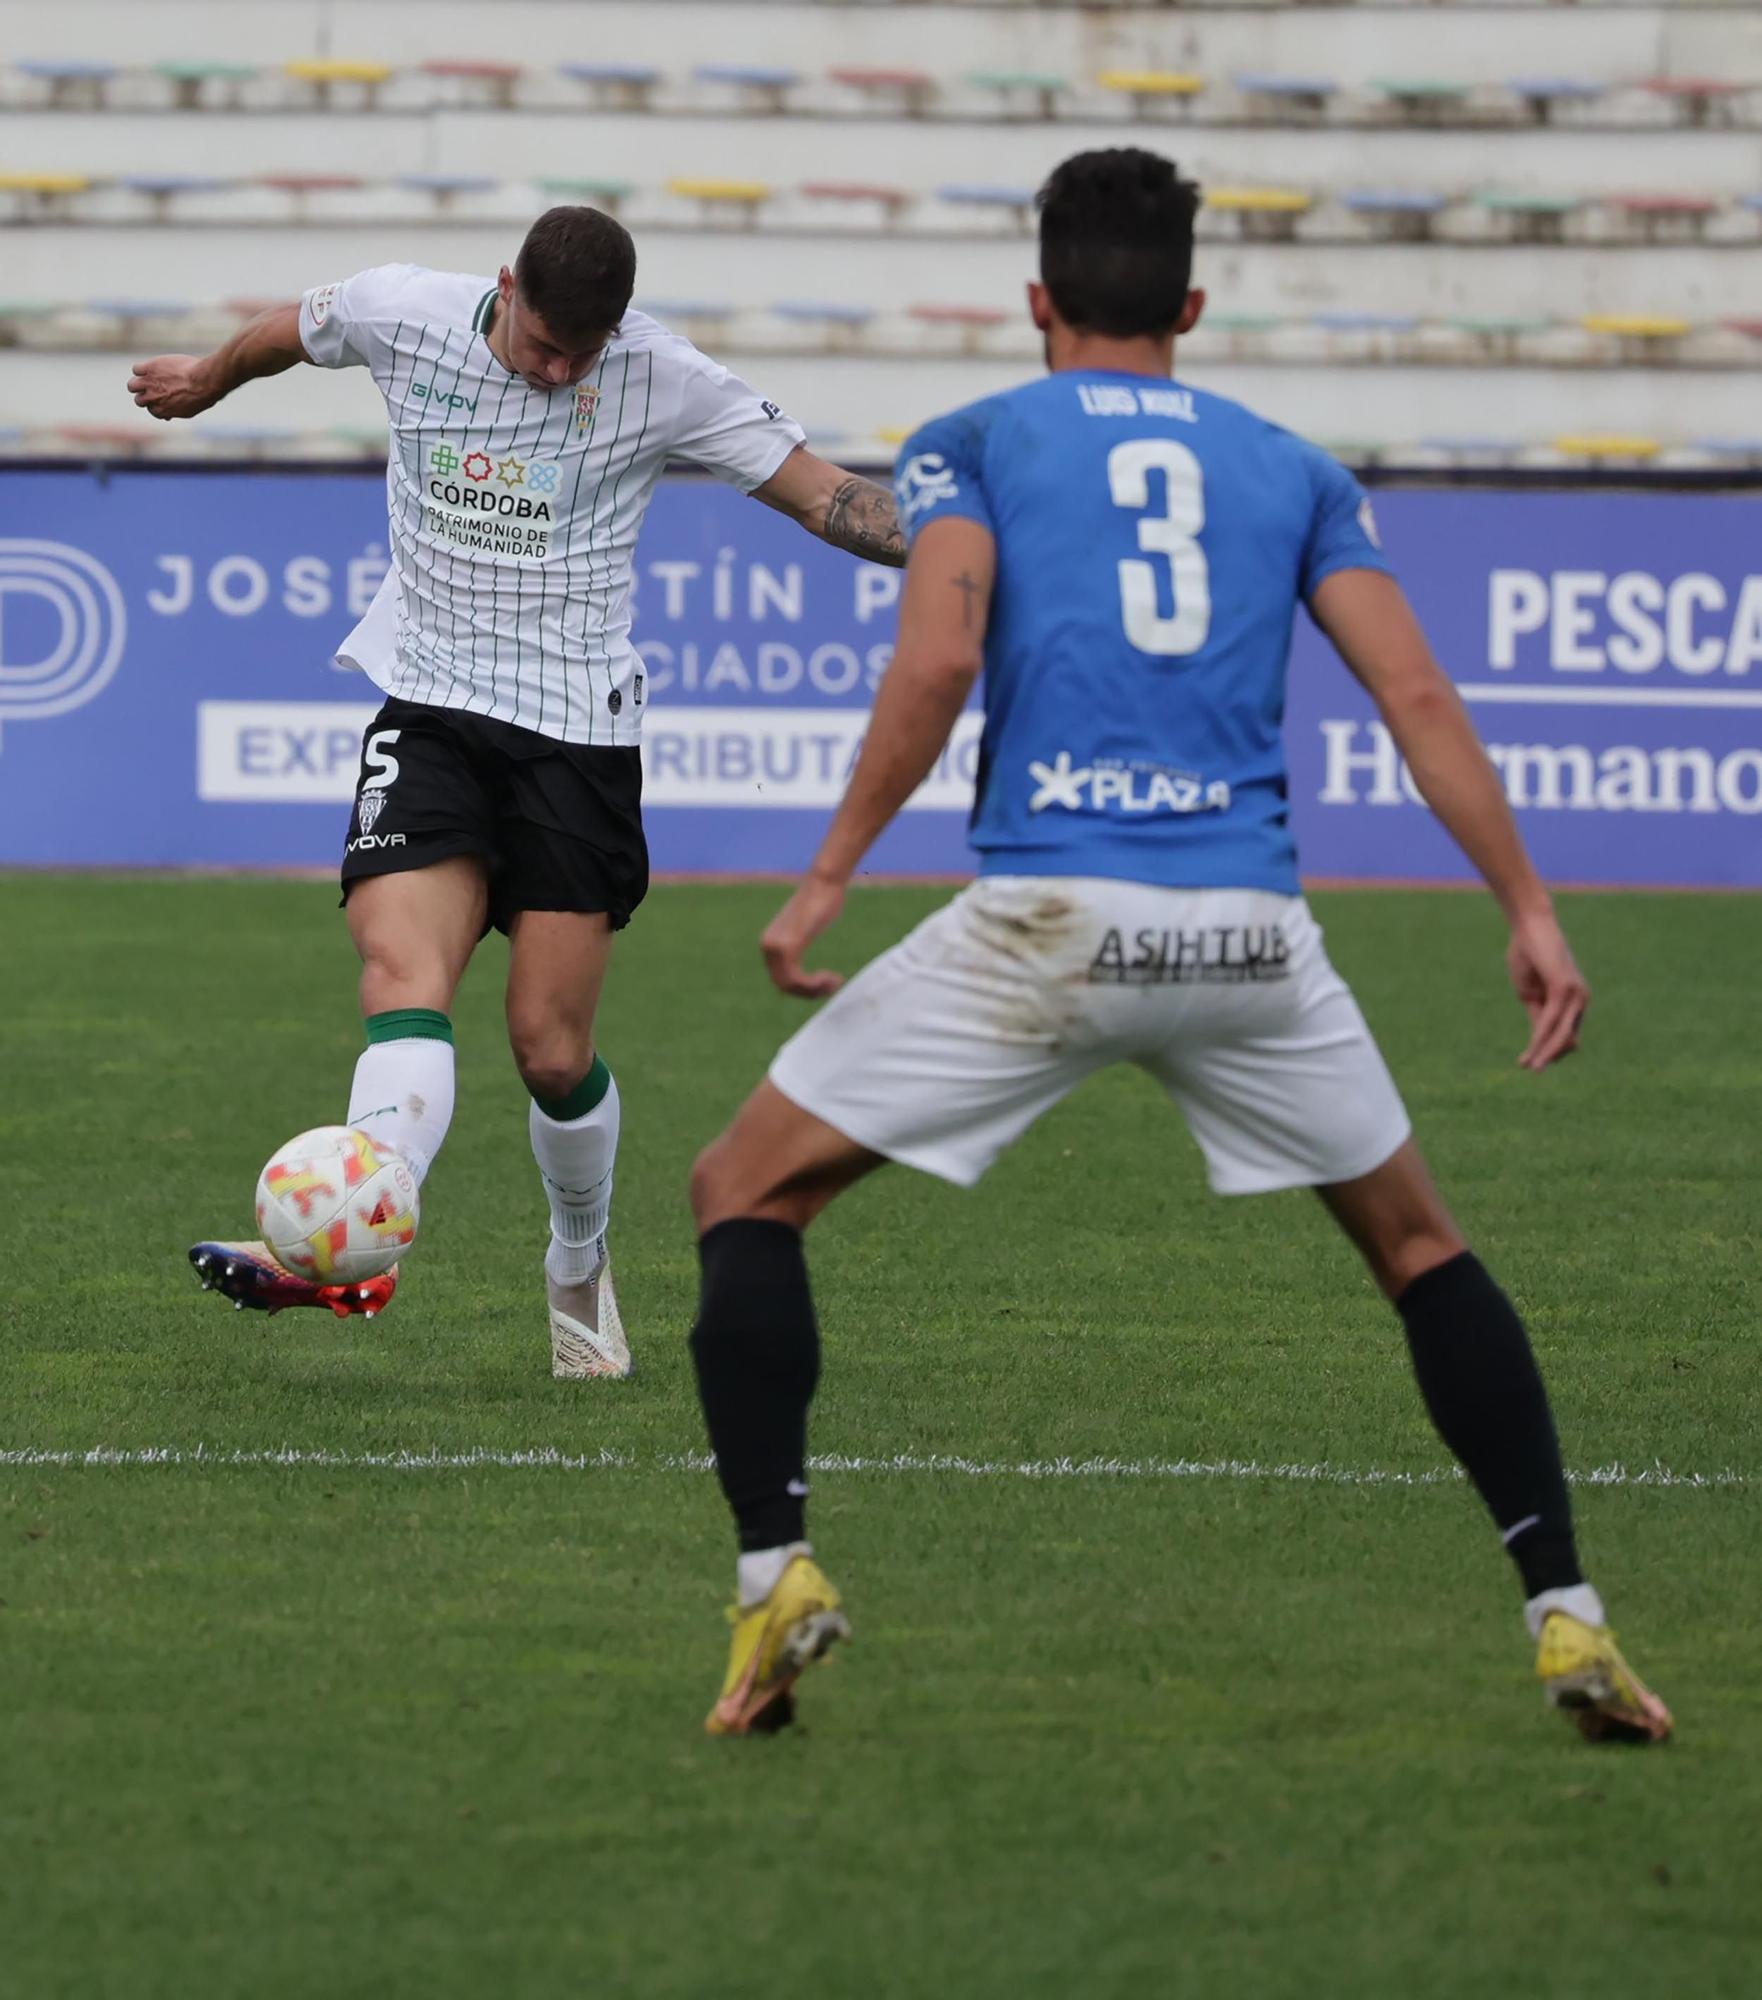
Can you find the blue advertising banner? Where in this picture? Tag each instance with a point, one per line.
(167, 696)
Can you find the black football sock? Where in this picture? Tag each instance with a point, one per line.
(757, 1351)
(1483, 1389)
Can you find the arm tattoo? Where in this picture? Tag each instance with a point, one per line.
(862, 518)
(971, 590)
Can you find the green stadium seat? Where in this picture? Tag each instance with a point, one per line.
(1491, 338)
(1530, 218)
(198, 85)
(1041, 88)
(1423, 100)
(608, 196)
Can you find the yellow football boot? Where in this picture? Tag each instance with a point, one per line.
(1582, 1670)
(773, 1641)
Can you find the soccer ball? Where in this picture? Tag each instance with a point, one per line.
(336, 1207)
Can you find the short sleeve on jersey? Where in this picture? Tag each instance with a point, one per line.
(336, 320)
(729, 429)
(938, 475)
(1342, 528)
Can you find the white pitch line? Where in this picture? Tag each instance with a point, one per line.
(549, 1459)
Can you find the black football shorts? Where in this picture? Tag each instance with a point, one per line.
(558, 825)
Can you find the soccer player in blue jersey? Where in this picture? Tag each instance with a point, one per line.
(1123, 557)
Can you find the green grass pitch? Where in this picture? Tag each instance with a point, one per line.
(308, 1729)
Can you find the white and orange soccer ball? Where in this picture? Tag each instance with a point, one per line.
(336, 1207)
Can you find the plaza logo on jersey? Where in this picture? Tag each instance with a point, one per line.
(1111, 785)
(490, 502)
(923, 482)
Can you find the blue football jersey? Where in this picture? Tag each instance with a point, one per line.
(1153, 544)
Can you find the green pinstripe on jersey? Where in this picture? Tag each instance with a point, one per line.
(514, 511)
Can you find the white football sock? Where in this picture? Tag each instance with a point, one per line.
(403, 1089)
(575, 1159)
(757, 1570)
(1577, 1600)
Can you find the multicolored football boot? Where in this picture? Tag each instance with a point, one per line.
(247, 1274)
(775, 1641)
(1582, 1670)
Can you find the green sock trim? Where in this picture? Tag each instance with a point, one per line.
(409, 1024)
(582, 1099)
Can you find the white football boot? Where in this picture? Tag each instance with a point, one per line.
(587, 1330)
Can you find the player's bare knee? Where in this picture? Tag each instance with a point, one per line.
(551, 1068)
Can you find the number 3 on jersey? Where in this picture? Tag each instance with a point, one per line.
(1171, 534)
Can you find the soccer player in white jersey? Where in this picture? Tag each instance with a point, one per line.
(531, 416)
(1123, 556)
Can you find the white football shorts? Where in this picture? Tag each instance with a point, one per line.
(944, 1050)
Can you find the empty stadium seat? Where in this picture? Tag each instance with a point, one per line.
(702, 321)
(1699, 100)
(198, 85)
(1529, 218)
(755, 85)
(588, 192)
(74, 82)
(892, 201)
(130, 318)
(1497, 339)
(1016, 202)
(299, 188)
(491, 83)
(972, 323)
(42, 197)
(445, 189)
(161, 191)
(841, 326)
(1148, 88)
(1639, 337)
(1608, 450)
(324, 80)
(1280, 98)
(625, 86)
(1397, 214)
(1267, 214)
(1422, 100)
(1659, 218)
(716, 200)
(909, 89)
(1041, 88)
(1542, 96)
(1245, 335)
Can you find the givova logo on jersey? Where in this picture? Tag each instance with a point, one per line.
(489, 500)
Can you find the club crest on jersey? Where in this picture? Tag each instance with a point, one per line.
(585, 400)
(371, 805)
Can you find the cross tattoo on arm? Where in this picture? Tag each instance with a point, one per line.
(970, 589)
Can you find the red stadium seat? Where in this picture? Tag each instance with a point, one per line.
(1664, 217)
(488, 82)
(892, 201)
(911, 88)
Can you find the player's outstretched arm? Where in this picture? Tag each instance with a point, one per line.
(840, 507)
(942, 617)
(1372, 624)
(184, 385)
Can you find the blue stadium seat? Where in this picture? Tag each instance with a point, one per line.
(133, 316)
(1284, 95)
(1399, 214)
(73, 82)
(628, 85)
(764, 88)
(162, 190)
(1542, 96)
(446, 188)
(841, 326)
(1016, 201)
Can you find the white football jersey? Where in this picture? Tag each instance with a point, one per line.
(515, 511)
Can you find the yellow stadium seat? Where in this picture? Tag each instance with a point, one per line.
(1259, 200)
(37, 196)
(1637, 326)
(1152, 82)
(744, 197)
(339, 72)
(1607, 447)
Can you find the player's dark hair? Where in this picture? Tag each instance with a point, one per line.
(576, 271)
(1116, 241)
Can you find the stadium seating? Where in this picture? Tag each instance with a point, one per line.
(1377, 180)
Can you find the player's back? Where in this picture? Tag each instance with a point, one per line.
(1153, 544)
